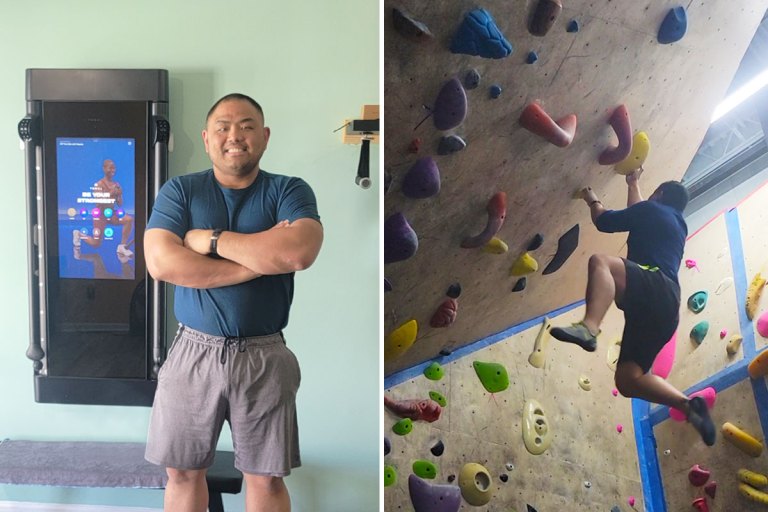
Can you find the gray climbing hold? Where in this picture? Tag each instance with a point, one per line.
(450, 105)
(450, 144)
(422, 180)
(478, 35)
(472, 79)
(408, 26)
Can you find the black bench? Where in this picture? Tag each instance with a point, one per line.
(103, 464)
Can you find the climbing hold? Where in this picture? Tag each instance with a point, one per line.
(403, 427)
(390, 476)
(544, 16)
(619, 428)
(439, 398)
(723, 333)
(753, 494)
(700, 504)
(724, 285)
(445, 352)
(450, 105)
(530, 508)
(752, 478)
(454, 290)
(733, 344)
(662, 365)
(497, 211)
(585, 383)
(531, 57)
(573, 26)
(631, 501)
(400, 240)
(475, 484)
(451, 478)
(587, 484)
(438, 449)
(493, 376)
(509, 466)
(424, 469)
(405, 24)
(699, 331)
(673, 27)
(612, 355)
(698, 476)
(472, 79)
(537, 121)
(621, 124)
(387, 445)
(667, 452)
(565, 247)
(387, 180)
(753, 295)
(445, 314)
(496, 246)
(742, 440)
(537, 435)
(450, 144)
(425, 410)
(400, 340)
(415, 145)
(708, 394)
(711, 489)
(698, 301)
(422, 180)
(504, 477)
(434, 371)
(641, 146)
(762, 325)
(426, 497)
(758, 367)
(519, 285)
(387, 285)
(615, 392)
(689, 263)
(479, 36)
(495, 91)
(538, 358)
(535, 242)
(524, 264)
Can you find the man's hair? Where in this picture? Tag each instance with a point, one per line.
(674, 194)
(235, 96)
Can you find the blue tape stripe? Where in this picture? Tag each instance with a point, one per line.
(647, 458)
(740, 282)
(415, 371)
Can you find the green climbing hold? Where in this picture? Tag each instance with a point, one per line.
(424, 469)
(493, 376)
(390, 476)
(434, 371)
(403, 427)
(698, 301)
(699, 331)
(437, 397)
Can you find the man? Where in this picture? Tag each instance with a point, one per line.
(645, 287)
(111, 212)
(230, 239)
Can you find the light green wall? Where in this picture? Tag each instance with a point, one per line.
(311, 65)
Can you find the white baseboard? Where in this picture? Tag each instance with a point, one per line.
(22, 506)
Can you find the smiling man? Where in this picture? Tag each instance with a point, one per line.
(230, 239)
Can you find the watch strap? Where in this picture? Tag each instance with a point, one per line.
(213, 250)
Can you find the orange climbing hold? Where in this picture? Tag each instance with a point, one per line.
(620, 123)
(536, 120)
(497, 211)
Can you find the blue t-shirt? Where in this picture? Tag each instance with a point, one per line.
(197, 201)
(657, 234)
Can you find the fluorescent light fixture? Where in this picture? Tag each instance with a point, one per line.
(741, 95)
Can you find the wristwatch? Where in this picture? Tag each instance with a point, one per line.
(213, 251)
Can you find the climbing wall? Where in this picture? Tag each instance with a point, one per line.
(613, 58)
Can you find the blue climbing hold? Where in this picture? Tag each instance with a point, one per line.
(674, 25)
(573, 26)
(495, 91)
(478, 35)
(531, 58)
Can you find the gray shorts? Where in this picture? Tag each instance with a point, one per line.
(250, 382)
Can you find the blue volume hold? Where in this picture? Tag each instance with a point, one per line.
(478, 35)
(674, 26)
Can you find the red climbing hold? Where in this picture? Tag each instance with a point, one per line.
(620, 123)
(497, 211)
(426, 410)
(700, 504)
(698, 476)
(536, 120)
(445, 314)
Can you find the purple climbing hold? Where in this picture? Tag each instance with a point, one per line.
(400, 240)
(422, 180)
(450, 144)
(408, 26)
(450, 105)
(531, 58)
(674, 26)
(478, 35)
(472, 79)
(387, 445)
(426, 497)
(495, 91)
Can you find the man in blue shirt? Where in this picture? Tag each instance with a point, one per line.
(645, 286)
(230, 239)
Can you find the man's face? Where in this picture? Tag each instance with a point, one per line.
(109, 169)
(235, 138)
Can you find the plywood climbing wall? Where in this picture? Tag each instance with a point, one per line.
(614, 58)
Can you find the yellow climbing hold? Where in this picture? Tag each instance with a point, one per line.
(612, 357)
(537, 435)
(734, 344)
(525, 264)
(475, 484)
(400, 340)
(496, 246)
(538, 358)
(585, 383)
(641, 145)
(742, 440)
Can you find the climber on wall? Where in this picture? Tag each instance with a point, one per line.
(645, 286)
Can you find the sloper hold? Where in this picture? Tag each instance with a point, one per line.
(496, 246)
(699, 331)
(479, 36)
(427, 497)
(408, 26)
(445, 314)
(450, 144)
(400, 240)
(475, 484)
(673, 27)
(400, 340)
(422, 180)
(493, 376)
(450, 106)
(497, 211)
(664, 360)
(524, 264)
(621, 124)
(641, 146)
(708, 394)
(544, 17)
(565, 247)
(537, 121)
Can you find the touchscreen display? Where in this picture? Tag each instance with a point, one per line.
(96, 207)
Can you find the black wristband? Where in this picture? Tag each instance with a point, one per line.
(595, 201)
(213, 251)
